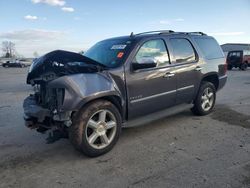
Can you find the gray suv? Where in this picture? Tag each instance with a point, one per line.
(123, 81)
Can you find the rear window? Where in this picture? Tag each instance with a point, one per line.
(234, 54)
(209, 47)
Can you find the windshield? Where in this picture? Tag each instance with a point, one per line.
(110, 53)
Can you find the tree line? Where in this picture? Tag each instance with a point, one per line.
(8, 49)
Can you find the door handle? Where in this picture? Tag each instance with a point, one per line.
(198, 68)
(168, 75)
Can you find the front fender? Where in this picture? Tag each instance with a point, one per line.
(81, 88)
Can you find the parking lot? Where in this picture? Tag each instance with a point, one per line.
(178, 151)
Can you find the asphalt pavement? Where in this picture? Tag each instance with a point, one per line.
(178, 151)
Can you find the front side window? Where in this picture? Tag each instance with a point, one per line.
(183, 51)
(153, 51)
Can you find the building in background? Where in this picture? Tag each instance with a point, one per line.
(234, 46)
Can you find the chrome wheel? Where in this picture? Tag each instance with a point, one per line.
(207, 99)
(101, 129)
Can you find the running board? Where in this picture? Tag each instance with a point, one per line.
(157, 115)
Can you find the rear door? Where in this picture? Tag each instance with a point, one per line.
(188, 72)
(150, 89)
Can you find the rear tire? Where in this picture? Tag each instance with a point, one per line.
(243, 66)
(205, 99)
(95, 128)
(229, 67)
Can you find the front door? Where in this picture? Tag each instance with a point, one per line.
(151, 89)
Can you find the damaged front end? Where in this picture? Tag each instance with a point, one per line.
(56, 94)
(42, 110)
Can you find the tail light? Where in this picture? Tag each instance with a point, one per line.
(222, 69)
(225, 67)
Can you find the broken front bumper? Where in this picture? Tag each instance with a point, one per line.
(33, 113)
(36, 116)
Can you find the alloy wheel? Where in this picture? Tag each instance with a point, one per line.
(207, 99)
(101, 129)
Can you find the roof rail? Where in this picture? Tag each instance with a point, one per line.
(159, 32)
(152, 32)
(191, 33)
(197, 33)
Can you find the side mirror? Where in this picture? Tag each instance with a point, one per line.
(144, 64)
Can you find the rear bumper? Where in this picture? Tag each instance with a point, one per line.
(234, 64)
(222, 82)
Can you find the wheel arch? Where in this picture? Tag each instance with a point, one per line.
(115, 99)
(213, 78)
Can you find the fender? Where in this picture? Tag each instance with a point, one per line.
(82, 88)
(210, 74)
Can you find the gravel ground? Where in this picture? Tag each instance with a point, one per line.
(178, 151)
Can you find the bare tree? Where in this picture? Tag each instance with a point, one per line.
(8, 48)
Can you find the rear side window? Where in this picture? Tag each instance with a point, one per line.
(183, 50)
(210, 48)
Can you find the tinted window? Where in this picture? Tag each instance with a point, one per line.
(234, 54)
(153, 50)
(183, 50)
(210, 48)
(109, 52)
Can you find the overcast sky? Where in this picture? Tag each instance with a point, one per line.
(46, 25)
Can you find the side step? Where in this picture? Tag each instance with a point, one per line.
(157, 115)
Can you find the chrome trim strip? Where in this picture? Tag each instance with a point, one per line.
(225, 76)
(161, 94)
(152, 96)
(183, 88)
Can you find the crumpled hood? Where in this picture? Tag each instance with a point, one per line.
(62, 63)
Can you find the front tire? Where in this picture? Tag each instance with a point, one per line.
(95, 128)
(205, 99)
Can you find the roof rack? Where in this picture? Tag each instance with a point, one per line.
(197, 33)
(159, 32)
(191, 33)
(152, 32)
